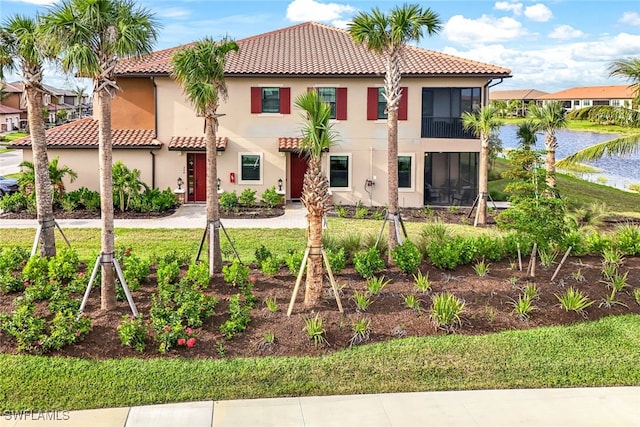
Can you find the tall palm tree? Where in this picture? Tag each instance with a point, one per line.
(482, 123)
(549, 118)
(92, 35)
(317, 137)
(625, 145)
(199, 69)
(80, 92)
(387, 35)
(526, 133)
(22, 48)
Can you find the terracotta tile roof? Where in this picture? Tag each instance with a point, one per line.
(289, 144)
(5, 109)
(83, 133)
(195, 143)
(520, 94)
(592, 92)
(315, 49)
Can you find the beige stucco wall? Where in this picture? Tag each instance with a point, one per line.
(364, 140)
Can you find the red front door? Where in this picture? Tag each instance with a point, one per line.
(296, 174)
(197, 177)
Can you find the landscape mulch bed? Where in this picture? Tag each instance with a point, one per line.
(487, 310)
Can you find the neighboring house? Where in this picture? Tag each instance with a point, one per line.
(9, 118)
(588, 96)
(515, 101)
(259, 134)
(14, 99)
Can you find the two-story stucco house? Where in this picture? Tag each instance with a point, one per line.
(157, 131)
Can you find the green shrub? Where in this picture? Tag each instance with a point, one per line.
(168, 273)
(198, 275)
(248, 197)
(64, 266)
(237, 273)
(271, 266)
(35, 270)
(368, 263)
(271, 198)
(337, 259)
(262, 253)
(135, 270)
(23, 325)
(627, 239)
(238, 318)
(294, 261)
(229, 201)
(133, 332)
(15, 202)
(13, 258)
(448, 255)
(407, 257)
(65, 329)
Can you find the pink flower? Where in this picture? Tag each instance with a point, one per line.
(253, 279)
(191, 342)
(189, 331)
(26, 283)
(167, 328)
(181, 341)
(127, 251)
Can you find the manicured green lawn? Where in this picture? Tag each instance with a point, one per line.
(599, 353)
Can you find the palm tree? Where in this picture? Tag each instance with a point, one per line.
(482, 123)
(526, 133)
(387, 35)
(79, 93)
(199, 69)
(317, 138)
(21, 48)
(92, 35)
(56, 176)
(625, 145)
(549, 118)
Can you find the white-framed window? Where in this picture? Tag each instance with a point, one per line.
(586, 103)
(406, 172)
(250, 168)
(340, 171)
(616, 103)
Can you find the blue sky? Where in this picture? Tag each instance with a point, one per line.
(548, 45)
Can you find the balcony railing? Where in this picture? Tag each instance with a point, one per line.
(444, 127)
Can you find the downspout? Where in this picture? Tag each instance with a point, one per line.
(488, 86)
(153, 169)
(155, 131)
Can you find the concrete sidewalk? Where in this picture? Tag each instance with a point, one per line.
(186, 216)
(584, 407)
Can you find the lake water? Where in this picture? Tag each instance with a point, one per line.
(617, 172)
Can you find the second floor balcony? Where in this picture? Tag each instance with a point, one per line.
(444, 127)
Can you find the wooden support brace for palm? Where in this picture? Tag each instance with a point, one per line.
(334, 286)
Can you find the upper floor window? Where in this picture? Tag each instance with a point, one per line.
(328, 96)
(377, 104)
(336, 97)
(271, 100)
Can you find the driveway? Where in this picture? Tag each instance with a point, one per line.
(9, 162)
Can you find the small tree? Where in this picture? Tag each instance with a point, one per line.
(549, 118)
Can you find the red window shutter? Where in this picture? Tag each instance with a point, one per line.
(285, 100)
(402, 108)
(341, 103)
(372, 103)
(256, 100)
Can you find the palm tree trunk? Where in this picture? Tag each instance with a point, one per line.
(107, 288)
(483, 186)
(392, 167)
(550, 161)
(213, 212)
(315, 200)
(44, 205)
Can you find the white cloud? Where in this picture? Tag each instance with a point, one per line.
(311, 10)
(173, 13)
(538, 12)
(486, 29)
(506, 6)
(565, 32)
(630, 18)
(557, 67)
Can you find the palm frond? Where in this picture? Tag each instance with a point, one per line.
(622, 146)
